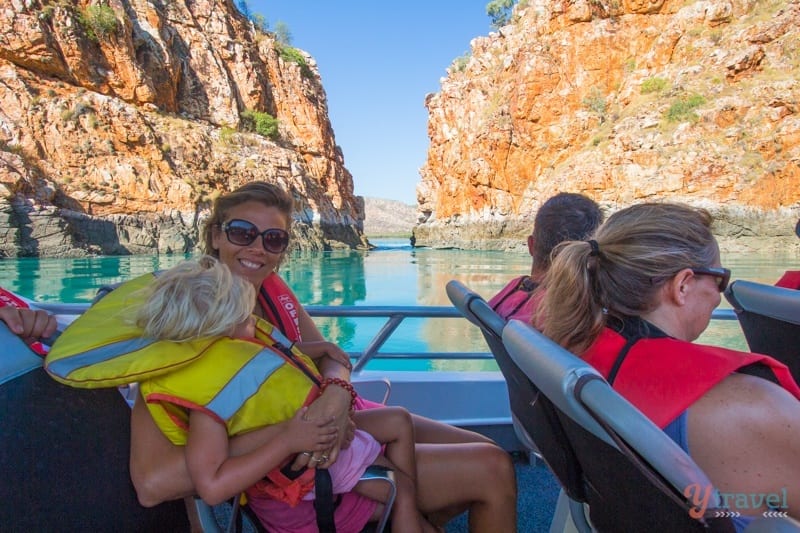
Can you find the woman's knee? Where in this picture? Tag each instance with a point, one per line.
(497, 468)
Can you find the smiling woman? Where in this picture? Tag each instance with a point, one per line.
(632, 302)
(486, 489)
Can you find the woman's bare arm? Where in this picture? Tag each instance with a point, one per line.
(219, 475)
(745, 435)
(158, 467)
(335, 401)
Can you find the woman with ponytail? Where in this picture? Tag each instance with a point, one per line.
(631, 301)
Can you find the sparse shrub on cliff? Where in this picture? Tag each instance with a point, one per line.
(258, 20)
(683, 108)
(80, 108)
(653, 85)
(596, 103)
(293, 55)
(98, 22)
(47, 13)
(282, 33)
(226, 135)
(262, 123)
(500, 11)
(460, 63)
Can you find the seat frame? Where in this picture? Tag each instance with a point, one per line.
(770, 320)
(599, 428)
(476, 310)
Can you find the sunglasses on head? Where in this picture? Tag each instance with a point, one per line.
(243, 233)
(722, 275)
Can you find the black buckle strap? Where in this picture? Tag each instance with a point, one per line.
(323, 501)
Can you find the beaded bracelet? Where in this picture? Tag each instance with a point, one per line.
(343, 384)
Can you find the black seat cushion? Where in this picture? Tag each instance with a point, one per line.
(64, 462)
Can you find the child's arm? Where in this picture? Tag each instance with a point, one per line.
(318, 350)
(217, 477)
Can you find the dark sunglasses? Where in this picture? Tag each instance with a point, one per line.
(723, 275)
(243, 233)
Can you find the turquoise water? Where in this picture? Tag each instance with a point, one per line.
(392, 274)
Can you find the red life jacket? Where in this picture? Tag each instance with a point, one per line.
(280, 306)
(789, 280)
(663, 376)
(516, 300)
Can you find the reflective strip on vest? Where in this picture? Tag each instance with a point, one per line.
(64, 367)
(245, 383)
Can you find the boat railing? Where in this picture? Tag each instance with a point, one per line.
(394, 315)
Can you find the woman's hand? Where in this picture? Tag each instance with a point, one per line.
(307, 436)
(30, 324)
(334, 403)
(319, 350)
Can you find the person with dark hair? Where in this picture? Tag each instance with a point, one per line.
(791, 278)
(631, 301)
(563, 217)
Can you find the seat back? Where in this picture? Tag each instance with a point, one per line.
(770, 319)
(64, 457)
(538, 433)
(632, 472)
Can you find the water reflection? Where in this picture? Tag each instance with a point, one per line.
(393, 274)
(328, 278)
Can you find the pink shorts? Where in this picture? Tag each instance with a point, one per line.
(351, 515)
(351, 463)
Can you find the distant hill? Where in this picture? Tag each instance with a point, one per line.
(388, 218)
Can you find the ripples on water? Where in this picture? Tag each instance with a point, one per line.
(393, 274)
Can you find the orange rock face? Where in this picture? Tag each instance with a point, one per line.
(143, 119)
(623, 101)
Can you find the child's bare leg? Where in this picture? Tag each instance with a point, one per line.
(405, 517)
(393, 427)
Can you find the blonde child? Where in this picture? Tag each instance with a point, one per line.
(202, 299)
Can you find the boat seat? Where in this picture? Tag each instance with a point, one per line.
(628, 471)
(64, 456)
(770, 320)
(521, 393)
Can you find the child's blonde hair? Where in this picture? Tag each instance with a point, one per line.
(196, 299)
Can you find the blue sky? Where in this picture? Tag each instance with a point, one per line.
(378, 60)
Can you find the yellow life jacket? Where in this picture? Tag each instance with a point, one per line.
(105, 348)
(240, 383)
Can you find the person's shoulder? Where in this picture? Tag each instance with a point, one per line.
(751, 400)
(509, 287)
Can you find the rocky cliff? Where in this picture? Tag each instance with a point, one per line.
(120, 121)
(625, 101)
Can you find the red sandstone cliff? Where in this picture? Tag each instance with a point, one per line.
(625, 101)
(115, 142)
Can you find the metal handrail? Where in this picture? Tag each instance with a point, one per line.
(394, 315)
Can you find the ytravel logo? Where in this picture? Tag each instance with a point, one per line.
(732, 503)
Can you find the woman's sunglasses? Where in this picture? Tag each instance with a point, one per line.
(722, 275)
(243, 233)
